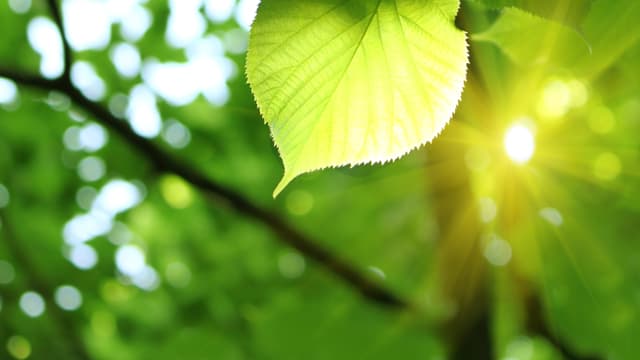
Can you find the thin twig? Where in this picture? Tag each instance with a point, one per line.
(164, 162)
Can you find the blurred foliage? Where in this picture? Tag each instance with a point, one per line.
(214, 284)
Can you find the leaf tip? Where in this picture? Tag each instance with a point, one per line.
(286, 179)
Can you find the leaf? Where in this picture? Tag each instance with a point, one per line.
(568, 12)
(611, 27)
(529, 39)
(354, 82)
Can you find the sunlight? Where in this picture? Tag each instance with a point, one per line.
(246, 12)
(32, 304)
(83, 256)
(519, 143)
(130, 260)
(143, 113)
(8, 91)
(219, 11)
(84, 76)
(20, 6)
(86, 25)
(126, 58)
(44, 38)
(186, 24)
(68, 297)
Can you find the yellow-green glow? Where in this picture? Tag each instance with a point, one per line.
(601, 120)
(607, 166)
(519, 143)
(19, 347)
(176, 192)
(558, 97)
(299, 202)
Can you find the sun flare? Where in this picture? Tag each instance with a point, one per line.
(519, 143)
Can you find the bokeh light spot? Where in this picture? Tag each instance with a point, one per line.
(377, 272)
(291, 264)
(92, 137)
(83, 256)
(8, 91)
(20, 6)
(246, 13)
(126, 59)
(130, 260)
(178, 274)
(519, 143)
(91, 168)
(87, 24)
(85, 197)
(299, 202)
(120, 234)
(185, 23)
(45, 39)
(552, 216)
(497, 251)
(176, 134)
(219, 11)
(84, 76)
(176, 192)
(114, 292)
(32, 304)
(7, 272)
(555, 100)
(82, 228)
(601, 120)
(143, 113)
(488, 209)
(68, 297)
(19, 347)
(146, 279)
(607, 166)
(117, 196)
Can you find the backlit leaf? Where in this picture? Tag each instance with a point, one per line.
(354, 82)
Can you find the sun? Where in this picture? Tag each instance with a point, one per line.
(519, 143)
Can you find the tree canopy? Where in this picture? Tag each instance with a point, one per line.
(488, 209)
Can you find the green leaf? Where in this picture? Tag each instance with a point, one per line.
(569, 12)
(531, 40)
(611, 27)
(354, 82)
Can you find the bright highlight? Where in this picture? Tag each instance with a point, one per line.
(519, 143)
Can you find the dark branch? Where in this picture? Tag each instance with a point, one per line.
(164, 162)
(57, 17)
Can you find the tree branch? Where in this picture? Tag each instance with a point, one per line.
(164, 162)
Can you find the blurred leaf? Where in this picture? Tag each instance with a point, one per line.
(611, 28)
(531, 40)
(570, 12)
